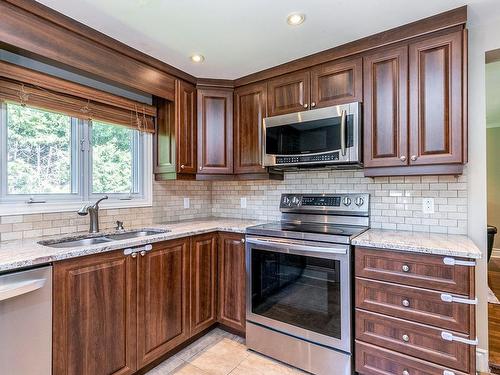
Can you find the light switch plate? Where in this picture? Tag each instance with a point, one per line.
(186, 203)
(428, 205)
(243, 202)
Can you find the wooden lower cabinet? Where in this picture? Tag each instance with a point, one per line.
(402, 307)
(94, 315)
(203, 261)
(163, 300)
(232, 283)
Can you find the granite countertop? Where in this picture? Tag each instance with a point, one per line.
(419, 242)
(26, 253)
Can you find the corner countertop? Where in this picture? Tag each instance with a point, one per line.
(27, 253)
(419, 242)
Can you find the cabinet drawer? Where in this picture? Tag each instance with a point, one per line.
(371, 360)
(420, 305)
(425, 271)
(414, 339)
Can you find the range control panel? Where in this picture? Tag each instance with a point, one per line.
(352, 204)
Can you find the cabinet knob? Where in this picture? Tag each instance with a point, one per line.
(313, 104)
(414, 157)
(406, 268)
(406, 303)
(306, 105)
(242, 240)
(201, 168)
(183, 166)
(402, 158)
(143, 253)
(405, 372)
(406, 338)
(133, 255)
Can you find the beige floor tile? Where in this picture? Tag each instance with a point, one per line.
(221, 358)
(255, 364)
(188, 369)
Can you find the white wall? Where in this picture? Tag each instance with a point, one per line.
(484, 35)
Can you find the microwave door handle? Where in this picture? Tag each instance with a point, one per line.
(343, 132)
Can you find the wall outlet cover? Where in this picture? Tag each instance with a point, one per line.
(186, 203)
(428, 205)
(243, 202)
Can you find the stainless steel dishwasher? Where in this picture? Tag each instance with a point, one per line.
(26, 322)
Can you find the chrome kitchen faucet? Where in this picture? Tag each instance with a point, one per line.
(93, 210)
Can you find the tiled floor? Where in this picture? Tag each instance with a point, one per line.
(220, 353)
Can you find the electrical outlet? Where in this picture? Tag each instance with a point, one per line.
(428, 205)
(186, 202)
(243, 202)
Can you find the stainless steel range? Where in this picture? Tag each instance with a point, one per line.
(299, 283)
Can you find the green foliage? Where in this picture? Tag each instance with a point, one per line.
(112, 158)
(39, 156)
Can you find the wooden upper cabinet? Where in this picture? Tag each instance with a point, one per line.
(385, 108)
(250, 109)
(232, 283)
(203, 259)
(185, 127)
(215, 131)
(288, 93)
(337, 82)
(163, 299)
(164, 139)
(95, 315)
(436, 100)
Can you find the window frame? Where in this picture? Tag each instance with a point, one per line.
(81, 178)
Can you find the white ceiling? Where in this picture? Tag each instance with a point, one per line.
(241, 37)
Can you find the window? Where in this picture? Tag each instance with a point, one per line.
(48, 157)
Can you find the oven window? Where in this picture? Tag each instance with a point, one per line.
(298, 290)
(308, 137)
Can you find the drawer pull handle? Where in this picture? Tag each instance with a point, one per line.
(448, 336)
(406, 268)
(448, 372)
(406, 303)
(406, 372)
(131, 250)
(449, 298)
(406, 338)
(454, 262)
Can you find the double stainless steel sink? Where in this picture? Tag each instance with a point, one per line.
(96, 239)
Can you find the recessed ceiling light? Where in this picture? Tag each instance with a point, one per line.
(295, 19)
(197, 58)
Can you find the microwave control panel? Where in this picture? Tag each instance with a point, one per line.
(333, 156)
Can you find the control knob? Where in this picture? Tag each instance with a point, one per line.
(286, 201)
(347, 201)
(295, 201)
(359, 201)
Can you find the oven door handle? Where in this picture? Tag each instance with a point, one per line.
(295, 248)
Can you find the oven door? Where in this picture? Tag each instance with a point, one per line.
(300, 288)
(319, 136)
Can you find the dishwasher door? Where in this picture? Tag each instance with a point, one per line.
(26, 322)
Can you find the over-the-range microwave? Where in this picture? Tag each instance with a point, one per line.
(326, 136)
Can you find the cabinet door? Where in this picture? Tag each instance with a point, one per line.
(436, 80)
(185, 121)
(163, 299)
(95, 315)
(164, 139)
(215, 131)
(232, 278)
(337, 82)
(203, 282)
(385, 108)
(250, 110)
(288, 93)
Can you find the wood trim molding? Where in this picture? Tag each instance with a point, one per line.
(50, 15)
(415, 170)
(214, 83)
(428, 25)
(493, 56)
